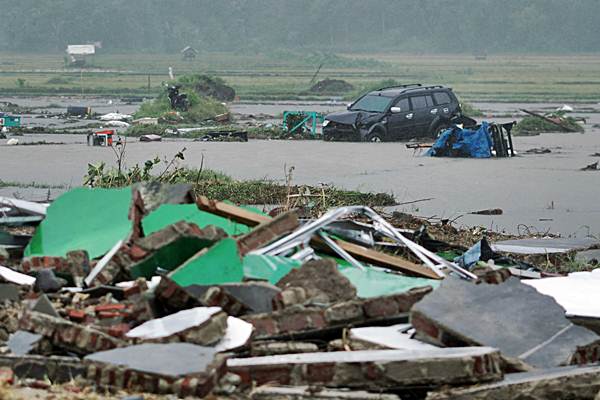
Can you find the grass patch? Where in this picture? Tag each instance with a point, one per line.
(219, 186)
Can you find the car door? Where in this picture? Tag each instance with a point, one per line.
(443, 102)
(400, 123)
(421, 115)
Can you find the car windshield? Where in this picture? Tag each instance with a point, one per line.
(371, 103)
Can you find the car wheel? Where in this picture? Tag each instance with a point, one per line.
(375, 137)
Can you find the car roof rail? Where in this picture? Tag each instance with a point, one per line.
(425, 87)
(400, 86)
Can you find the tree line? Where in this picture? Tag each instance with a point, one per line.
(463, 26)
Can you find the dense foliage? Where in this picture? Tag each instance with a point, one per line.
(339, 25)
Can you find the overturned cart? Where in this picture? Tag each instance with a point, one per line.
(482, 141)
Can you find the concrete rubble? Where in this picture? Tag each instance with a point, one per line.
(172, 294)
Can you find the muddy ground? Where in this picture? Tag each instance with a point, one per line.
(541, 193)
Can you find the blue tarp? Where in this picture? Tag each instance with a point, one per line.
(457, 142)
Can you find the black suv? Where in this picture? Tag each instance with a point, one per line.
(395, 113)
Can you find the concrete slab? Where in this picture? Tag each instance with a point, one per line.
(21, 342)
(544, 246)
(312, 393)
(373, 369)
(9, 292)
(391, 337)
(556, 383)
(588, 256)
(44, 306)
(201, 325)
(578, 293)
(183, 369)
(510, 316)
(169, 359)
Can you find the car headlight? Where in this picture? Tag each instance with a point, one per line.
(326, 122)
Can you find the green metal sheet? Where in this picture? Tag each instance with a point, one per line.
(83, 219)
(268, 268)
(168, 257)
(370, 282)
(374, 281)
(219, 264)
(168, 214)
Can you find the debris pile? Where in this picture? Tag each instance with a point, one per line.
(168, 293)
(535, 123)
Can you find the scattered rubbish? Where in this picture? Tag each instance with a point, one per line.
(565, 108)
(115, 117)
(591, 167)
(223, 136)
(538, 150)
(150, 138)
(79, 111)
(491, 211)
(117, 124)
(595, 155)
(23, 206)
(145, 121)
(12, 142)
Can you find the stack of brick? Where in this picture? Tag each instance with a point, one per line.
(77, 338)
(298, 319)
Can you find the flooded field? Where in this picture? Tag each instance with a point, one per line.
(538, 193)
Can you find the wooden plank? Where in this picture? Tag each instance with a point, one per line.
(380, 259)
(235, 213)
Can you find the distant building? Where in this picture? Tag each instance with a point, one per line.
(79, 52)
(189, 53)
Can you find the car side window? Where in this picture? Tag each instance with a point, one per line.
(403, 104)
(442, 98)
(418, 102)
(429, 100)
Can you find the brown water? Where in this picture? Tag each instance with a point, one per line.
(543, 192)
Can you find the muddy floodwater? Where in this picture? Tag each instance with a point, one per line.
(537, 192)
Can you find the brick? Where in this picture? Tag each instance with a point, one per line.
(268, 231)
(110, 307)
(373, 369)
(7, 376)
(63, 333)
(76, 315)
